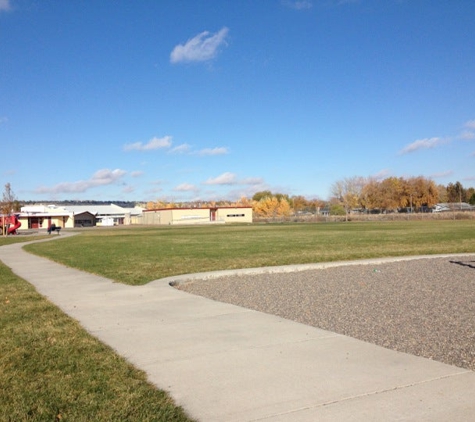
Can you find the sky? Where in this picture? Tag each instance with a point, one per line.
(184, 100)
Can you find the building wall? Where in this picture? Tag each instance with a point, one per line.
(84, 219)
(190, 216)
(157, 217)
(197, 216)
(44, 221)
(235, 215)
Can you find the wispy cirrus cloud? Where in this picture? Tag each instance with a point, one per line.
(128, 189)
(229, 178)
(467, 135)
(223, 179)
(203, 47)
(252, 181)
(181, 149)
(166, 143)
(186, 187)
(380, 175)
(427, 143)
(298, 4)
(213, 151)
(470, 124)
(101, 177)
(154, 144)
(469, 131)
(441, 174)
(5, 6)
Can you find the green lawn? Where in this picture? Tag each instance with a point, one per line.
(51, 369)
(137, 255)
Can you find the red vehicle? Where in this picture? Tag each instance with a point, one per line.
(9, 224)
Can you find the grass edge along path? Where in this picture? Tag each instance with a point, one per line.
(51, 369)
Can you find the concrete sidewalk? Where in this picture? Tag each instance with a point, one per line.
(225, 363)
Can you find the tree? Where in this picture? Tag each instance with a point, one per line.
(443, 197)
(421, 192)
(272, 207)
(347, 192)
(455, 192)
(370, 197)
(262, 194)
(299, 203)
(470, 196)
(393, 193)
(9, 204)
(243, 202)
(337, 209)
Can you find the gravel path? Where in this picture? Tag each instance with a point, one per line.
(425, 307)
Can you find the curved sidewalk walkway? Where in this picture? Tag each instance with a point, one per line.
(226, 363)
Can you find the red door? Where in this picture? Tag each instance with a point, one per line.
(212, 214)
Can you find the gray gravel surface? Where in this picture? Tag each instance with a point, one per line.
(425, 307)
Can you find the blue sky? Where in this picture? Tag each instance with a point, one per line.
(215, 99)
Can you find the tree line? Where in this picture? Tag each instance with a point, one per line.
(361, 194)
(396, 194)
(347, 195)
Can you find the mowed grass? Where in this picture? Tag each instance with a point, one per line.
(137, 255)
(53, 370)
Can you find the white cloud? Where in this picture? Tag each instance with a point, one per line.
(185, 187)
(467, 135)
(229, 178)
(99, 178)
(153, 144)
(5, 5)
(10, 172)
(470, 124)
(202, 47)
(441, 174)
(426, 143)
(380, 175)
(128, 189)
(223, 179)
(166, 143)
(213, 151)
(136, 173)
(180, 149)
(252, 181)
(298, 4)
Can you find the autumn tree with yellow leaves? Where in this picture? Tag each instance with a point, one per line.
(268, 205)
(389, 194)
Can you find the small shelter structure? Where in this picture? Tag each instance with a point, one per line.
(43, 216)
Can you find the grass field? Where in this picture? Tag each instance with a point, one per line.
(51, 369)
(137, 255)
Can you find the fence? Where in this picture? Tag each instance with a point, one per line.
(448, 215)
